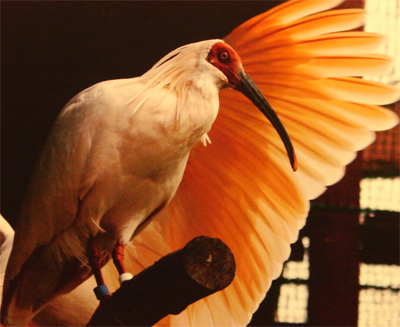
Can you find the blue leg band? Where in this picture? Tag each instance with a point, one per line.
(101, 291)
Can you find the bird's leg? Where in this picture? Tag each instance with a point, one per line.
(94, 256)
(118, 258)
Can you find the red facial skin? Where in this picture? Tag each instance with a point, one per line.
(223, 57)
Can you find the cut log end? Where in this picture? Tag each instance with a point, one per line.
(209, 262)
(204, 266)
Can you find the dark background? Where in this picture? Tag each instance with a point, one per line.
(50, 51)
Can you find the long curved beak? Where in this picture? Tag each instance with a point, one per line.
(251, 91)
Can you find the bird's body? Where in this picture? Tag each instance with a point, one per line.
(134, 165)
(119, 150)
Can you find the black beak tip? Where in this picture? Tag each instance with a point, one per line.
(293, 162)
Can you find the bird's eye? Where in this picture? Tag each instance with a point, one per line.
(224, 56)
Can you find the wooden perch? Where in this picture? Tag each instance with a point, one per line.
(204, 266)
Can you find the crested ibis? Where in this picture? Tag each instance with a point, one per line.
(126, 160)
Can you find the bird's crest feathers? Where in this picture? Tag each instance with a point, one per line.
(173, 72)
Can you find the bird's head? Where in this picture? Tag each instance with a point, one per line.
(225, 59)
(224, 64)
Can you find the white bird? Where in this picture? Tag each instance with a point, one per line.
(119, 149)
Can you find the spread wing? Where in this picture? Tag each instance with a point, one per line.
(241, 187)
